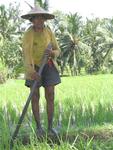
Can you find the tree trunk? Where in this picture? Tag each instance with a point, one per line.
(75, 64)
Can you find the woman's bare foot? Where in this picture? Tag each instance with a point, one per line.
(40, 132)
(52, 132)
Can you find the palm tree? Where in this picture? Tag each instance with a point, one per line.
(71, 44)
(42, 4)
(99, 38)
(108, 45)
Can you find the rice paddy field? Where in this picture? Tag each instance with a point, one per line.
(83, 115)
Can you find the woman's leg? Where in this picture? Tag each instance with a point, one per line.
(49, 95)
(35, 107)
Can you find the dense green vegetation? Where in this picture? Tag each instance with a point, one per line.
(83, 110)
(85, 44)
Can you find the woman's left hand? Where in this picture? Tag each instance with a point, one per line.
(50, 53)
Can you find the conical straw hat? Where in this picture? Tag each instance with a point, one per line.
(38, 11)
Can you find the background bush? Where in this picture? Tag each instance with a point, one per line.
(3, 73)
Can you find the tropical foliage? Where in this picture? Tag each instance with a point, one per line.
(10, 35)
(86, 45)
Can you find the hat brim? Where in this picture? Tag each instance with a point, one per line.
(46, 16)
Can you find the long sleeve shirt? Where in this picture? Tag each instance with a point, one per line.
(34, 45)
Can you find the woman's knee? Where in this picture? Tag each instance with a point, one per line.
(49, 93)
(35, 96)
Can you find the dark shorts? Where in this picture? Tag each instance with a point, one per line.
(50, 76)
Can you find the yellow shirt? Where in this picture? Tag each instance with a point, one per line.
(34, 45)
(40, 43)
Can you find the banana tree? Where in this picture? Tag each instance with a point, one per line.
(10, 21)
(10, 34)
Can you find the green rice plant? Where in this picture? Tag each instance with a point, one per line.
(80, 103)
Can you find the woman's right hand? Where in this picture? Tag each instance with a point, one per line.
(35, 76)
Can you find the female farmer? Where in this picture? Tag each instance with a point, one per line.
(35, 41)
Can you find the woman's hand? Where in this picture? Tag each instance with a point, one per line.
(50, 53)
(35, 76)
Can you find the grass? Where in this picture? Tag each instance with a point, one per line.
(83, 107)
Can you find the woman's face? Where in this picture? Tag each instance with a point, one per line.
(38, 21)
